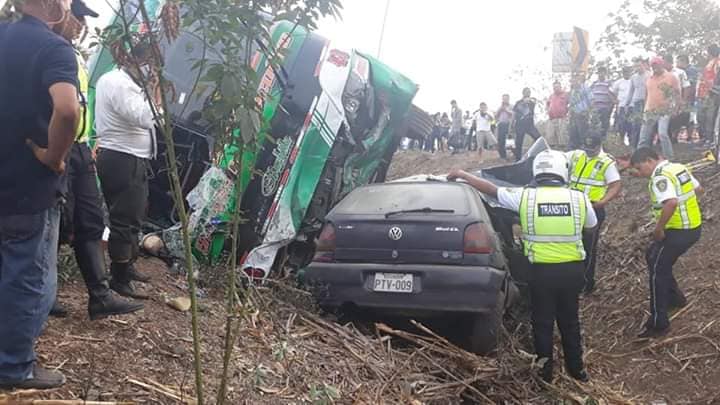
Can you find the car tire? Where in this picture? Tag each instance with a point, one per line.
(485, 328)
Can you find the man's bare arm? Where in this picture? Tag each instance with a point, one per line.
(63, 125)
(612, 193)
(481, 185)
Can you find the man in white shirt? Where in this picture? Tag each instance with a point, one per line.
(483, 129)
(125, 128)
(674, 204)
(594, 173)
(621, 87)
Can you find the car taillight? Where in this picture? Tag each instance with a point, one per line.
(478, 239)
(325, 244)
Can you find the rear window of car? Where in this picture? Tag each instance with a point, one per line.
(381, 199)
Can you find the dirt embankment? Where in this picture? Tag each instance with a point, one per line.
(286, 353)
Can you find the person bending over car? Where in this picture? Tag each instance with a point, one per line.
(552, 218)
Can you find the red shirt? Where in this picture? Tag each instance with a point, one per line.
(708, 78)
(558, 105)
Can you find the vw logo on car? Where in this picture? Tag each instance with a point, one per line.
(395, 233)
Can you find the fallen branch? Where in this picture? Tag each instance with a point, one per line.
(11, 401)
(164, 390)
(660, 344)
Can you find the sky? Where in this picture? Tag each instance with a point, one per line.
(466, 50)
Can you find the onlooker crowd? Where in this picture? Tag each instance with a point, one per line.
(655, 100)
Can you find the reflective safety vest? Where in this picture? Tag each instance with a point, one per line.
(552, 221)
(82, 133)
(687, 215)
(587, 175)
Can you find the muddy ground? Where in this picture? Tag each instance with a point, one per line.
(285, 353)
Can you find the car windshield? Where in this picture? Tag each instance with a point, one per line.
(394, 197)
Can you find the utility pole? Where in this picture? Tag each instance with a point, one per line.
(382, 29)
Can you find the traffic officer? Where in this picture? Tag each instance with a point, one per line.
(673, 195)
(82, 223)
(552, 218)
(595, 174)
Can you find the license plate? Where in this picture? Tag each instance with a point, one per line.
(393, 282)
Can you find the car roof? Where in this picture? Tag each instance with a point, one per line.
(474, 204)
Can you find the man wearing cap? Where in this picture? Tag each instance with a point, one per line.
(674, 203)
(38, 120)
(552, 218)
(594, 173)
(82, 223)
(663, 98)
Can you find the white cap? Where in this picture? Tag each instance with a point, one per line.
(551, 162)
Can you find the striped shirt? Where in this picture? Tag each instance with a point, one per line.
(601, 95)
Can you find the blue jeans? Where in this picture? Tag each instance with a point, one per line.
(647, 132)
(28, 283)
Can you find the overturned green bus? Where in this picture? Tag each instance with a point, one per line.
(332, 119)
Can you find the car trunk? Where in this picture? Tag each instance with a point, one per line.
(408, 238)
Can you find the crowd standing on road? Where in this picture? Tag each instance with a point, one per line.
(662, 100)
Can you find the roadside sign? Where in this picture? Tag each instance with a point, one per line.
(562, 61)
(570, 51)
(580, 51)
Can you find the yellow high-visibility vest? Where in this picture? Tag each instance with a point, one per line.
(687, 215)
(552, 221)
(587, 175)
(82, 134)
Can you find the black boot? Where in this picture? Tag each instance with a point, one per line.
(58, 310)
(546, 372)
(102, 303)
(100, 308)
(121, 282)
(581, 375)
(135, 275)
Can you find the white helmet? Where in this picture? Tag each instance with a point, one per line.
(551, 162)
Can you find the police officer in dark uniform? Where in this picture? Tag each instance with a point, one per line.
(82, 222)
(678, 223)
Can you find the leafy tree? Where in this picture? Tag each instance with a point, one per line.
(663, 26)
(230, 30)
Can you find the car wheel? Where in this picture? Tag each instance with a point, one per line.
(485, 328)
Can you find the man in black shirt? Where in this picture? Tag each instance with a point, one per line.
(524, 112)
(38, 116)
